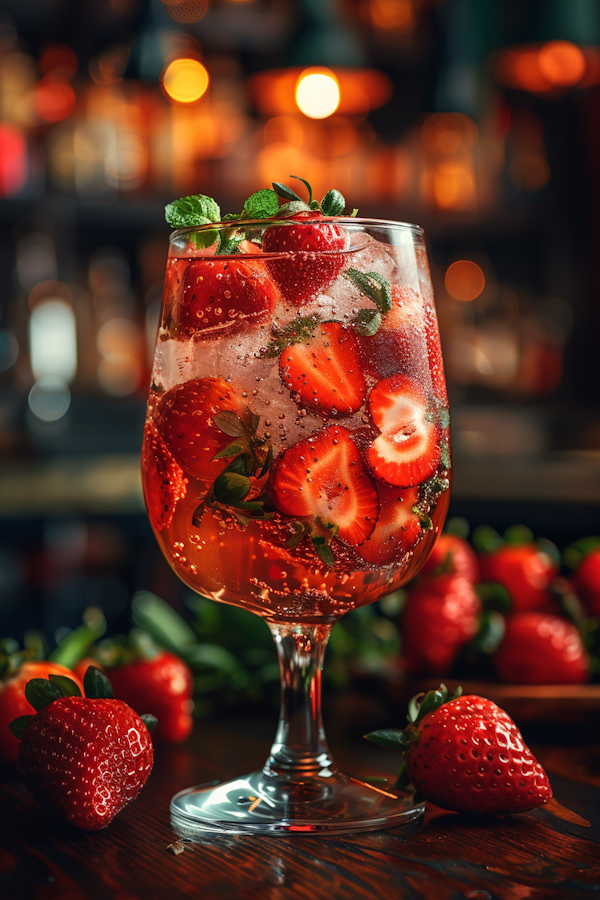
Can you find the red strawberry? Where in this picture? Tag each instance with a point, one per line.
(185, 418)
(586, 581)
(454, 555)
(407, 451)
(161, 685)
(392, 348)
(541, 649)
(324, 371)
(307, 264)
(14, 703)
(525, 571)
(324, 475)
(164, 482)
(466, 754)
(83, 757)
(222, 296)
(440, 616)
(398, 528)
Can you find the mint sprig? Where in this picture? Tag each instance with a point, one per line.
(188, 212)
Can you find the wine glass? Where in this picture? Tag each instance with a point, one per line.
(296, 463)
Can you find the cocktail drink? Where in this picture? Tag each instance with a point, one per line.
(296, 463)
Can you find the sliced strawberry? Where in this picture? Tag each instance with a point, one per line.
(222, 296)
(309, 265)
(398, 528)
(164, 482)
(325, 476)
(407, 451)
(324, 371)
(185, 418)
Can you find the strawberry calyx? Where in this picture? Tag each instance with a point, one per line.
(401, 740)
(320, 534)
(251, 458)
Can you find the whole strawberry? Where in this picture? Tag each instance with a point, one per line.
(466, 754)
(440, 616)
(299, 273)
(161, 684)
(541, 649)
(82, 757)
(586, 580)
(525, 570)
(452, 554)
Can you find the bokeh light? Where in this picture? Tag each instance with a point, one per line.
(49, 398)
(54, 99)
(187, 11)
(562, 63)
(14, 166)
(464, 280)
(185, 80)
(317, 93)
(53, 340)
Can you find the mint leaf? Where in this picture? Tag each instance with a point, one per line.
(261, 205)
(333, 203)
(197, 209)
(374, 285)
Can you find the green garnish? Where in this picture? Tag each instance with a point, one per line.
(194, 210)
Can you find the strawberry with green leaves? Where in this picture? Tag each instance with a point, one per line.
(584, 557)
(83, 757)
(302, 257)
(464, 753)
(451, 554)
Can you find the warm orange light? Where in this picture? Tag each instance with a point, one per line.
(187, 12)
(392, 15)
(562, 63)
(185, 80)
(274, 92)
(317, 93)
(446, 133)
(464, 280)
(54, 100)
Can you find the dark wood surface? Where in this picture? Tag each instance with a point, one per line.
(445, 857)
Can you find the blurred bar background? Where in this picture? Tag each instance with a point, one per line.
(480, 121)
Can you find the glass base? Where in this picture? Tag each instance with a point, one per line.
(262, 803)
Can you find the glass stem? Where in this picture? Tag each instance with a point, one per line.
(300, 749)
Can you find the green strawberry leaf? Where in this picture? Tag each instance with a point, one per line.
(18, 725)
(494, 596)
(96, 685)
(390, 738)
(458, 526)
(300, 329)
(233, 449)
(403, 778)
(285, 192)
(323, 550)
(160, 620)
(79, 643)
(333, 203)
(149, 721)
(229, 423)
(374, 285)
(230, 487)
(261, 205)
(518, 535)
(306, 185)
(575, 552)
(40, 692)
(486, 539)
(367, 322)
(66, 685)
(197, 209)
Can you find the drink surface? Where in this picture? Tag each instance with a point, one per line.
(296, 448)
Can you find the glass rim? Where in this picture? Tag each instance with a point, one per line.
(288, 220)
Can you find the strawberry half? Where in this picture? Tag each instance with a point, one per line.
(324, 476)
(163, 479)
(310, 263)
(324, 372)
(398, 528)
(407, 451)
(185, 419)
(220, 297)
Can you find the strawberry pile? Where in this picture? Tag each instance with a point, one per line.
(504, 608)
(464, 753)
(359, 490)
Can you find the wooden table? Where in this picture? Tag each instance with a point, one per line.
(445, 857)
